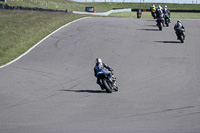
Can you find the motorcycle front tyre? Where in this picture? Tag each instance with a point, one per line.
(167, 22)
(116, 89)
(107, 87)
(181, 38)
(160, 26)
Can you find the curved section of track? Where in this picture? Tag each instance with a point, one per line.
(53, 89)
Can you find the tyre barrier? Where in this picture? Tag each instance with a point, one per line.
(5, 6)
(185, 11)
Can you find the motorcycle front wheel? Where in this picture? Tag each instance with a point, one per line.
(182, 38)
(160, 25)
(107, 85)
(167, 22)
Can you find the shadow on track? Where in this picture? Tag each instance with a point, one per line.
(88, 91)
(167, 41)
(150, 29)
(151, 25)
(150, 20)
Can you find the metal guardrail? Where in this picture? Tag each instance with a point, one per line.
(185, 11)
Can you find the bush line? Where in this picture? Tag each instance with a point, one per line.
(6, 6)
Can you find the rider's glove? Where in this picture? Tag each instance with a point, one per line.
(111, 69)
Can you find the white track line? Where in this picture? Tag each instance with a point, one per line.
(40, 42)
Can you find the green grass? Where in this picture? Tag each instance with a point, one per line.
(147, 15)
(72, 6)
(186, 15)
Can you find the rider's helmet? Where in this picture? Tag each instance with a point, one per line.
(165, 6)
(98, 61)
(153, 10)
(159, 7)
(178, 21)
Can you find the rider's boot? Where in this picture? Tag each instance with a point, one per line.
(99, 83)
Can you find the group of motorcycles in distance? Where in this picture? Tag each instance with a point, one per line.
(162, 16)
(103, 72)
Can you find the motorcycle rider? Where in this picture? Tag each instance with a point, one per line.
(159, 14)
(178, 26)
(166, 11)
(152, 7)
(101, 67)
(153, 10)
(159, 7)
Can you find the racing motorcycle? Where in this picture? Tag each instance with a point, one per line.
(153, 13)
(108, 82)
(180, 34)
(160, 22)
(166, 19)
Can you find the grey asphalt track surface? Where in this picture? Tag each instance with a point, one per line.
(52, 89)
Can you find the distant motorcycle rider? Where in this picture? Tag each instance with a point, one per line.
(101, 67)
(159, 7)
(153, 11)
(152, 7)
(178, 26)
(159, 14)
(166, 11)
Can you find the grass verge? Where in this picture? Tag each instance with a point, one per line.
(100, 7)
(147, 15)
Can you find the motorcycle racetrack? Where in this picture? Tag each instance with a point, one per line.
(52, 89)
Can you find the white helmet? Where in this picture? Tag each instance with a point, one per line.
(159, 7)
(98, 60)
(165, 6)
